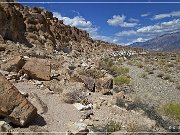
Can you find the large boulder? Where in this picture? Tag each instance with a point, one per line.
(39, 69)
(88, 81)
(13, 65)
(104, 82)
(13, 105)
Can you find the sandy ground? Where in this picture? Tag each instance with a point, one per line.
(58, 113)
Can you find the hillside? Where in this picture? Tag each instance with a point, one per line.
(55, 78)
(166, 42)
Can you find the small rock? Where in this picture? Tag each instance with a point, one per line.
(4, 126)
(81, 107)
(76, 128)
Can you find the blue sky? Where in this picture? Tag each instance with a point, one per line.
(118, 23)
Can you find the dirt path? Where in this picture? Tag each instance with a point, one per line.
(58, 113)
(154, 90)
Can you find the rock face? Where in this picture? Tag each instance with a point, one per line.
(14, 64)
(89, 82)
(39, 69)
(14, 105)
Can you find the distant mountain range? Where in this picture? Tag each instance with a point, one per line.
(166, 42)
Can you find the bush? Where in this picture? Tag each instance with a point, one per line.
(160, 74)
(143, 75)
(139, 65)
(173, 110)
(120, 80)
(178, 86)
(106, 63)
(113, 126)
(94, 73)
(119, 70)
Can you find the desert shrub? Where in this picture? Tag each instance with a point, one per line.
(120, 80)
(94, 73)
(166, 77)
(149, 70)
(143, 75)
(170, 65)
(113, 126)
(106, 63)
(160, 74)
(173, 110)
(73, 97)
(178, 86)
(119, 70)
(134, 127)
(139, 65)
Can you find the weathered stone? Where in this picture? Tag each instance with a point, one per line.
(39, 69)
(105, 82)
(89, 82)
(2, 47)
(81, 107)
(14, 105)
(78, 128)
(4, 126)
(13, 65)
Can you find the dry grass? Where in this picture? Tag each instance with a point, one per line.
(120, 80)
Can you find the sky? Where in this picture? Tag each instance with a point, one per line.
(119, 23)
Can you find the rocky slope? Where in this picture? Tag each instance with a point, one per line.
(166, 42)
(64, 79)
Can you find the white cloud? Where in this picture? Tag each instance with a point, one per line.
(167, 15)
(82, 23)
(118, 20)
(126, 33)
(154, 30)
(133, 20)
(145, 15)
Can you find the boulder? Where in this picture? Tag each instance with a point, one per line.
(39, 69)
(2, 47)
(88, 81)
(76, 128)
(13, 65)
(104, 82)
(14, 105)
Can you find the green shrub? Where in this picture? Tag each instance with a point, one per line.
(113, 126)
(120, 80)
(173, 110)
(119, 70)
(106, 63)
(94, 73)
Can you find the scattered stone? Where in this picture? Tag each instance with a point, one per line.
(105, 82)
(39, 69)
(87, 114)
(4, 126)
(13, 65)
(14, 105)
(81, 107)
(76, 128)
(89, 82)
(2, 47)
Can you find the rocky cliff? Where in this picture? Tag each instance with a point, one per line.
(36, 27)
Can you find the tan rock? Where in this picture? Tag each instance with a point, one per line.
(105, 82)
(39, 69)
(89, 82)
(14, 105)
(77, 128)
(13, 65)
(2, 47)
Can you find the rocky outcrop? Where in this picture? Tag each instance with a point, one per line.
(39, 69)
(15, 64)
(14, 105)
